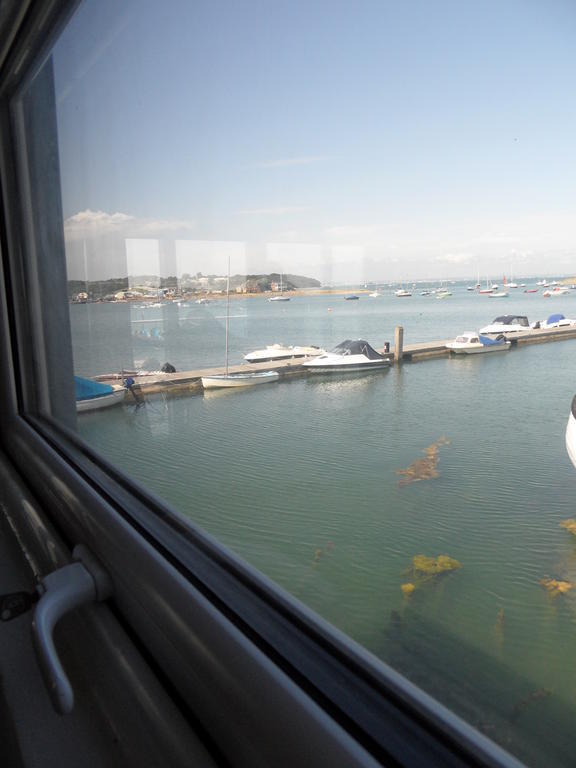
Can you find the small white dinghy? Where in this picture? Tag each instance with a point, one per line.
(472, 343)
(92, 395)
(219, 381)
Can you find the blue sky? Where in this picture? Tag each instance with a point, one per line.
(366, 140)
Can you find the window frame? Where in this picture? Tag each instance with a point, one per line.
(272, 682)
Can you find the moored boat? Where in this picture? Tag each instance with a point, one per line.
(402, 293)
(282, 352)
(222, 380)
(472, 343)
(93, 395)
(571, 432)
(347, 357)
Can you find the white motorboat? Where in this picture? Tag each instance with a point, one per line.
(472, 343)
(282, 352)
(348, 356)
(93, 395)
(443, 294)
(506, 324)
(219, 381)
(571, 433)
(557, 321)
(402, 293)
(498, 295)
(374, 294)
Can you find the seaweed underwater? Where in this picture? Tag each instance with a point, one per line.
(426, 468)
(425, 569)
(556, 587)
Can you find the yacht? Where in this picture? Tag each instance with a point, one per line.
(282, 352)
(507, 324)
(349, 355)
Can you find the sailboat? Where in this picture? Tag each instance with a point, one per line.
(281, 296)
(227, 379)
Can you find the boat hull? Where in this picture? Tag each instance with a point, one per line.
(223, 381)
(104, 401)
(571, 433)
(477, 349)
(373, 365)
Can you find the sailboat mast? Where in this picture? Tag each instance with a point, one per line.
(227, 311)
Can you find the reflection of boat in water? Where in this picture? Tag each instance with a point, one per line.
(281, 352)
(348, 356)
(472, 343)
(93, 395)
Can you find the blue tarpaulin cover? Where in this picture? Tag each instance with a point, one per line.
(554, 319)
(488, 342)
(86, 389)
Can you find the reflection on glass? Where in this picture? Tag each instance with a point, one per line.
(380, 150)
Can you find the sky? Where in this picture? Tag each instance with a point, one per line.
(373, 140)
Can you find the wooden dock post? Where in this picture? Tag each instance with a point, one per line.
(398, 343)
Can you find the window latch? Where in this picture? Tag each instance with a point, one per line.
(16, 603)
(80, 583)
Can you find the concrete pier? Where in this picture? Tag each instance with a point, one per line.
(189, 381)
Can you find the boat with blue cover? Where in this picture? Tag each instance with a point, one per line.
(92, 395)
(472, 343)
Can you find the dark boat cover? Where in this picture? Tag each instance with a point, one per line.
(356, 347)
(86, 389)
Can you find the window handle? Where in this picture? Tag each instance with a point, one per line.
(80, 583)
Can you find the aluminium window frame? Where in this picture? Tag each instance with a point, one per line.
(269, 680)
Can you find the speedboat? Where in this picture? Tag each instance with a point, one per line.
(349, 355)
(506, 324)
(93, 395)
(222, 380)
(282, 352)
(402, 293)
(557, 321)
(472, 343)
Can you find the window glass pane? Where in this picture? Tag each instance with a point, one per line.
(249, 176)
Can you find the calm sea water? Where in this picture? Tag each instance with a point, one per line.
(300, 478)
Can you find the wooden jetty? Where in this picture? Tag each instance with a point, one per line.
(186, 382)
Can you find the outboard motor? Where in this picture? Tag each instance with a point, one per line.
(168, 368)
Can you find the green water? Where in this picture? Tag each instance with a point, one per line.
(300, 479)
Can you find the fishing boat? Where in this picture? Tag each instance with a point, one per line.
(227, 379)
(472, 343)
(347, 357)
(282, 352)
(92, 395)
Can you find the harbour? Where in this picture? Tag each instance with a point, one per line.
(331, 485)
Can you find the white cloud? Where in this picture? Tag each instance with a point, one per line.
(277, 211)
(88, 224)
(456, 258)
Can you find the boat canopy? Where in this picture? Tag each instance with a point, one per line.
(488, 342)
(512, 320)
(86, 389)
(356, 347)
(554, 319)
